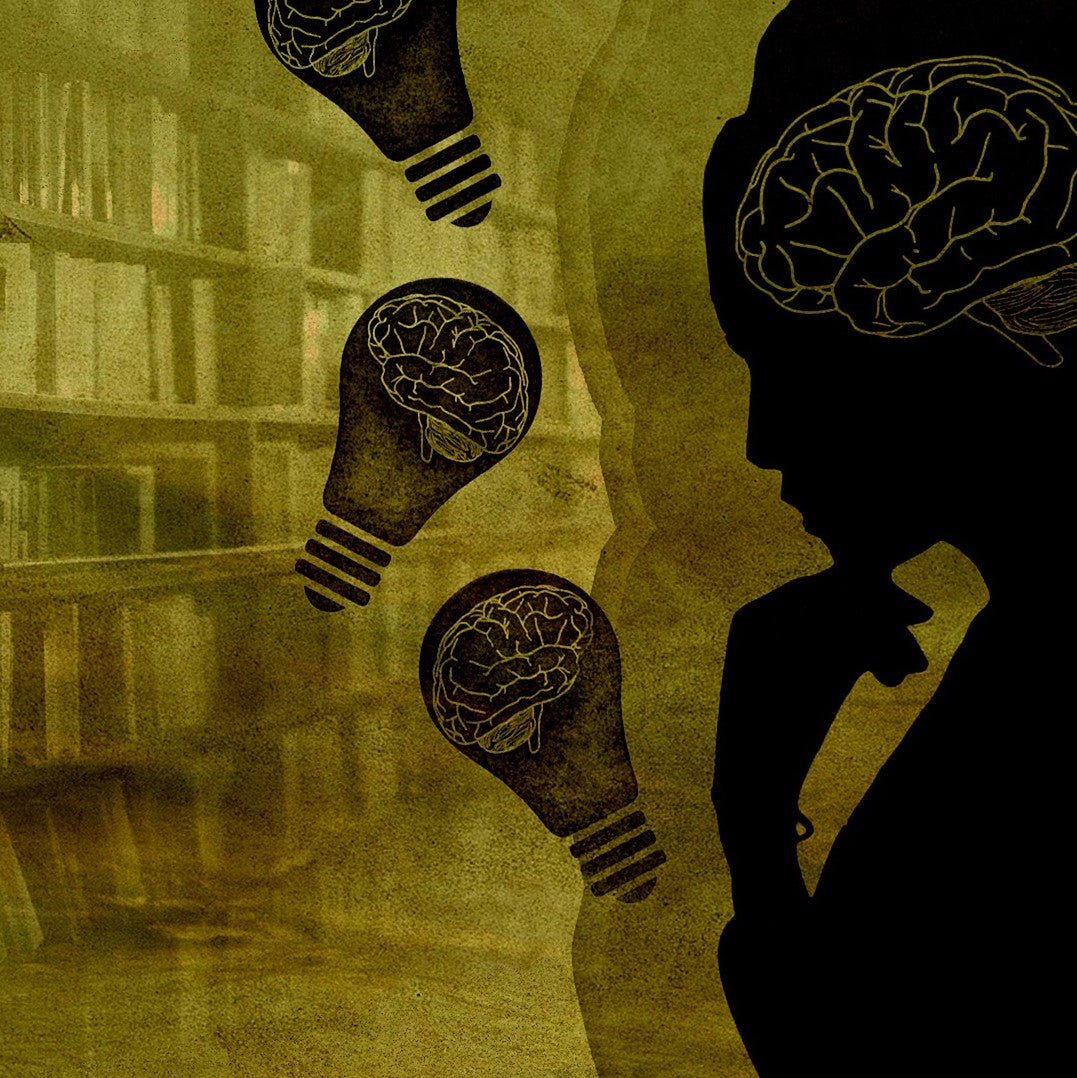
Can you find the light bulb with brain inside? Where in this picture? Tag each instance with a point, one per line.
(921, 195)
(459, 371)
(439, 380)
(394, 67)
(520, 671)
(503, 660)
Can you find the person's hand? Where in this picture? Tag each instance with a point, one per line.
(792, 658)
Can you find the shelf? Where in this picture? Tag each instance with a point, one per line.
(334, 280)
(262, 420)
(88, 237)
(50, 780)
(82, 578)
(168, 413)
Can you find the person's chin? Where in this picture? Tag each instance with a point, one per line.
(883, 546)
(862, 538)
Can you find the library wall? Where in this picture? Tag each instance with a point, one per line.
(187, 235)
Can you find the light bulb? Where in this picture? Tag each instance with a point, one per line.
(394, 67)
(521, 672)
(439, 380)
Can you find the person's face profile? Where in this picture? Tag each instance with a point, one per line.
(864, 447)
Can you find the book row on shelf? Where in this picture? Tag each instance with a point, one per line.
(130, 675)
(79, 681)
(157, 499)
(163, 496)
(107, 155)
(69, 147)
(85, 154)
(78, 328)
(160, 499)
(129, 678)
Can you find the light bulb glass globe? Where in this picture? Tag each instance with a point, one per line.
(521, 672)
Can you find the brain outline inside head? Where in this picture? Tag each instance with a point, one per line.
(457, 369)
(919, 195)
(503, 660)
(334, 37)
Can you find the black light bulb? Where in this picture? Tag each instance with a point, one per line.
(394, 67)
(521, 672)
(439, 380)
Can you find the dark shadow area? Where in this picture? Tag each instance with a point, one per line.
(901, 415)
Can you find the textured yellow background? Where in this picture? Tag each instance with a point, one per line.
(457, 956)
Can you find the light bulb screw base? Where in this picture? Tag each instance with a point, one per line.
(345, 570)
(608, 857)
(439, 178)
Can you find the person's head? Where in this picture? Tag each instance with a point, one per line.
(863, 218)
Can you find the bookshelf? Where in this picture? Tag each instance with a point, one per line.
(195, 233)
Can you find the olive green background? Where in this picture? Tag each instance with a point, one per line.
(459, 941)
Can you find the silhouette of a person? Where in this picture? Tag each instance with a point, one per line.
(938, 940)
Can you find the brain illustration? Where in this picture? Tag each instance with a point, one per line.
(457, 369)
(335, 37)
(503, 660)
(920, 195)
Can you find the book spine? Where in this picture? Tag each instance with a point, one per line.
(121, 852)
(119, 151)
(100, 151)
(40, 158)
(80, 151)
(297, 217)
(315, 319)
(162, 344)
(164, 165)
(278, 211)
(28, 537)
(24, 120)
(145, 479)
(6, 686)
(194, 187)
(204, 339)
(136, 698)
(23, 934)
(139, 174)
(9, 513)
(59, 139)
(123, 513)
(122, 332)
(73, 295)
(61, 658)
(18, 319)
(8, 184)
